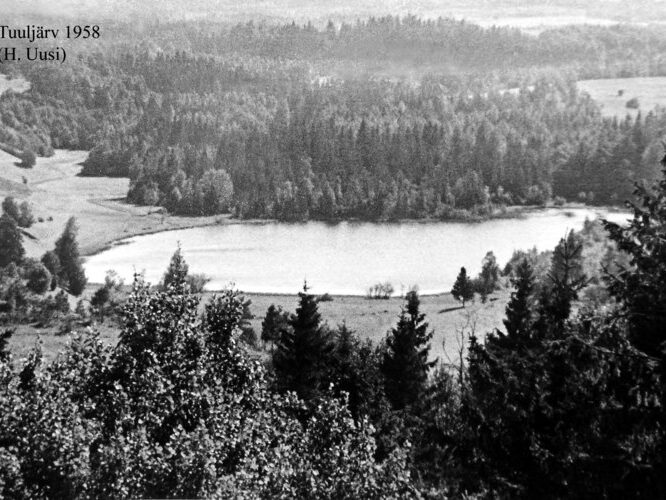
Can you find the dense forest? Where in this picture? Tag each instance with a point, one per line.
(382, 119)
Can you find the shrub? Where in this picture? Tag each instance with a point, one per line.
(39, 278)
(633, 103)
(28, 159)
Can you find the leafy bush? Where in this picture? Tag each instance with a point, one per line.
(28, 159)
(633, 103)
(21, 213)
(39, 278)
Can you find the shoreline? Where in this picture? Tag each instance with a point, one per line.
(510, 212)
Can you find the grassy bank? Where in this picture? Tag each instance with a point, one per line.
(56, 192)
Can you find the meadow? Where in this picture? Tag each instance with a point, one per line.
(612, 94)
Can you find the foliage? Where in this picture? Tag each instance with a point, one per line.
(38, 278)
(633, 103)
(405, 363)
(303, 352)
(380, 291)
(52, 263)
(273, 323)
(28, 159)
(487, 281)
(177, 409)
(72, 275)
(177, 272)
(21, 213)
(107, 299)
(11, 241)
(463, 288)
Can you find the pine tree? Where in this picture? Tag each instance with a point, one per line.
(11, 241)
(405, 362)
(303, 352)
(71, 266)
(463, 288)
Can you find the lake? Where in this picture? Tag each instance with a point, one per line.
(345, 258)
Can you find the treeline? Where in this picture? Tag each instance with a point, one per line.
(447, 43)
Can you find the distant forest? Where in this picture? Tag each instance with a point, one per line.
(387, 118)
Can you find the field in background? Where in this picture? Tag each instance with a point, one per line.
(15, 84)
(530, 16)
(613, 93)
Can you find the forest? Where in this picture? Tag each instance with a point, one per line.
(388, 118)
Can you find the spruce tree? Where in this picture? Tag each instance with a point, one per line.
(463, 288)
(11, 241)
(566, 279)
(71, 266)
(304, 350)
(519, 309)
(176, 274)
(405, 362)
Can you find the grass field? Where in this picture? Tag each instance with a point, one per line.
(613, 93)
(56, 192)
(371, 319)
(15, 84)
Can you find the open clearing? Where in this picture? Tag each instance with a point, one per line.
(613, 93)
(371, 319)
(56, 192)
(15, 84)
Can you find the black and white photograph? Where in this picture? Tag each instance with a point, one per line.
(333, 250)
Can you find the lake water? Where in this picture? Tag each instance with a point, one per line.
(343, 258)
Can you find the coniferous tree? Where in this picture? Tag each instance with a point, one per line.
(641, 287)
(176, 274)
(11, 241)
(405, 362)
(303, 352)
(71, 266)
(463, 288)
(566, 279)
(519, 309)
